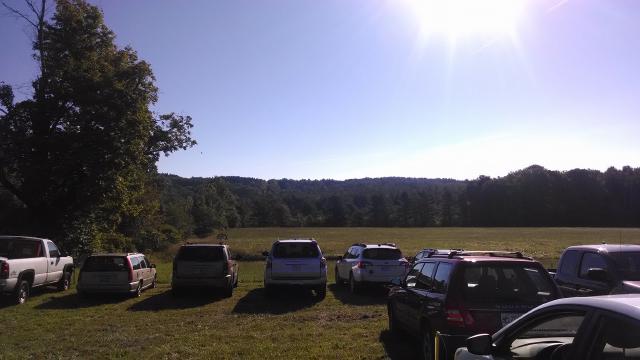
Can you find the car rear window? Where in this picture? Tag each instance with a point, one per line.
(20, 248)
(628, 264)
(506, 283)
(201, 253)
(106, 263)
(382, 254)
(296, 250)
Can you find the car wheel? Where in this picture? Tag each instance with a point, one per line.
(321, 291)
(22, 292)
(138, 290)
(426, 345)
(228, 291)
(339, 281)
(154, 284)
(65, 282)
(353, 285)
(393, 322)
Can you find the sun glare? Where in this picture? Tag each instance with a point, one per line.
(458, 18)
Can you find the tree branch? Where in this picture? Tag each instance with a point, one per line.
(20, 14)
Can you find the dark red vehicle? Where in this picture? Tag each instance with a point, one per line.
(448, 296)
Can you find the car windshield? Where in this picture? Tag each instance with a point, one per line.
(382, 254)
(20, 248)
(106, 263)
(201, 253)
(628, 264)
(296, 250)
(507, 283)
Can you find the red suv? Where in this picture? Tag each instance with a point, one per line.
(450, 295)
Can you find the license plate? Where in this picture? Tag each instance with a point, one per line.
(507, 318)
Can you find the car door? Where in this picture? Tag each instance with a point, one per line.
(418, 296)
(55, 266)
(586, 286)
(616, 336)
(145, 271)
(400, 297)
(434, 307)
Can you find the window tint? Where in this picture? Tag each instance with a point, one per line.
(425, 280)
(590, 261)
(569, 265)
(143, 263)
(296, 250)
(412, 276)
(628, 265)
(619, 339)
(20, 248)
(506, 283)
(200, 253)
(559, 328)
(135, 262)
(53, 250)
(441, 279)
(382, 254)
(105, 263)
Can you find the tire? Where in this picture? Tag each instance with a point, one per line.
(393, 322)
(353, 285)
(426, 344)
(154, 284)
(138, 292)
(321, 291)
(22, 292)
(65, 281)
(228, 291)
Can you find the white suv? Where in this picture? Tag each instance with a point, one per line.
(296, 263)
(370, 264)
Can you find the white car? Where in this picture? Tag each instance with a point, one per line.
(370, 264)
(296, 263)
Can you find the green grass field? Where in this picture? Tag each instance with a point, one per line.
(56, 325)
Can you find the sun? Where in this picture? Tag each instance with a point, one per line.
(461, 18)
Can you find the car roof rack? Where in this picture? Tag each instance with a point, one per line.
(387, 244)
(443, 252)
(508, 254)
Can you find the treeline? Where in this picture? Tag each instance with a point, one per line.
(530, 197)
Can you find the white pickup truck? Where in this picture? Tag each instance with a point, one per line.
(28, 262)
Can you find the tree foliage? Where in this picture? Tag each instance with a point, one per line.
(81, 153)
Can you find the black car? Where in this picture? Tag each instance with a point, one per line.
(449, 296)
(589, 270)
(587, 328)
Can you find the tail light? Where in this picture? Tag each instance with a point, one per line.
(4, 270)
(130, 270)
(323, 263)
(363, 264)
(459, 317)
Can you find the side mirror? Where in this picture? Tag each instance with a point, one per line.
(598, 274)
(479, 344)
(265, 253)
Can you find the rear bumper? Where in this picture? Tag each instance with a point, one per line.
(221, 282)
(8, 285)
(107, 289)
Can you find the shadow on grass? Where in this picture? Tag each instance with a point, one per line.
(281, 302)
(166, 300)
(369, 295)
(71, 300)
(7, 300)
(399, 346)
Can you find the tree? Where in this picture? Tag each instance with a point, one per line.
(82, 151)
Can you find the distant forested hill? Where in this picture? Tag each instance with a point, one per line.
(530, 197)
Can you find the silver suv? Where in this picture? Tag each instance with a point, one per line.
(116, 273)
(204, 265)
(370, 264)
(296, 263)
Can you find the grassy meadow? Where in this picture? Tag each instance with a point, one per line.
(54, 325)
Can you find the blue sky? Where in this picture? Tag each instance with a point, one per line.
(366, 88)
